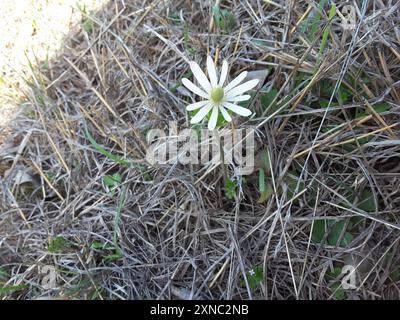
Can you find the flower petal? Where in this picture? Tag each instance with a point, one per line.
(237, 109)
(212, 73)
(236, 81)
(224, 73)
(213, 119)
(196, 105)
(201, 114)
(225, 114)
(200, 76)
(239, 98)
(242, 88)
(190, 85)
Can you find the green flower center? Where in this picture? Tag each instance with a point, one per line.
(217, 94)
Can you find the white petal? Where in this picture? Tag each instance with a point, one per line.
(224, 73)
(190, 85)
(225, 114)
(212, 73)
(242, 88)
(200, 76)
(237, 109)
(239, 98)
(201, 114)
(196, 105)
(236, 81)
(213, 119)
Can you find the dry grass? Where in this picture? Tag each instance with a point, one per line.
(32, 31)
(170, 231)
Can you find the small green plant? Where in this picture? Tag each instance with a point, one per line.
(58, 245)
(316, 24)
(335, 230)
(363, 199)
(8, 290)
(126, 163)
(113, 250)
(230, 188)
(254, 277)
(325, 89)
(292, 180)
(265, 187)
(83, 290)
(395, 275)
(87, 23)
(378, 108)
(335, 285)
(224, 20)
(110, 251)
(366, 201)
(267, 99)
(3, 273)
(339, 229)
(104, 152)
(112, 182)
(326, 33)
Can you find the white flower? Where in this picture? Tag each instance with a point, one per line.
(217, 97)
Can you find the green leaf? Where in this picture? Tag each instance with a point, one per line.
(326, 32)
(112, 181)
(261, 180)
(58, 245)
(395, 275)
(336, 287)
(356, 220)
(334, 274)
(3, 273)
(266, 194)
(366, 201)
(264, 161)
(326, 88)
(338, 291)
(229, 21)
(343, 95)
(102, 246)
(266, 189)
(104, 152)
(291, 180)
(254, 278)
(220, 120)
(266, 100)
(335, 233)
(216, 16)
(230, 188)
(224, 20)
(318, 231)
(116, 252)
(87, 25)
(379, 108)
(113, 257)
(317, 18)
(325, 103)
(7, 290)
